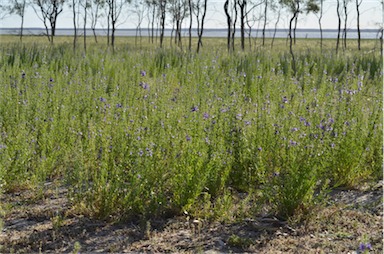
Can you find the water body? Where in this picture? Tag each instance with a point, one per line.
(221, 33)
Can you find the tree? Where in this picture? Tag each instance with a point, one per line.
(319, 18)
(49, 11)
(295, 7)
(242, 5)
(95, 14)
(139, 11)
(358, 3)
(115, 8)
(178, 11)
(338, 25)
(345, 7)
(231, 23)
(15, 7)
(200, 22)
(75, 5)
(163, 9)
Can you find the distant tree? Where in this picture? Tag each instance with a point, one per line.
(49, 11)
(152, 6)
(338, 25)
(295, 7)
(243, 13)
(358, 3)
(319, 19)
(200, 21)
(15, 7)
(190, 8)
(178, 10)
(139, 10)
(230, 9)
(345, 8)
(75, 5)
(275, 29)
(163, 10)
(94, 13)
(115, 8)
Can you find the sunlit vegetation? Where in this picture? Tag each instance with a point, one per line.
(143, 132)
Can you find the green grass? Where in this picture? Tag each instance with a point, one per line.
(194, 126)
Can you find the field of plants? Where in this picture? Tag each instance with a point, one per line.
(143, 132)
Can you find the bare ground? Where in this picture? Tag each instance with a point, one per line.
(46, 223)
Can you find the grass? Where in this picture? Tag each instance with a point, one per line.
(145, 132)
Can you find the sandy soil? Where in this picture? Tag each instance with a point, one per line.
(46, 223)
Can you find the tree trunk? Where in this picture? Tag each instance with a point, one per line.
(345, 3)
(190, 25)
(74, 24)
(338, 26)
(358, 24)
(229, 24)
(265, 20)
(201, 30)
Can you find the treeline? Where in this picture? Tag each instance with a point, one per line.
(158, 14)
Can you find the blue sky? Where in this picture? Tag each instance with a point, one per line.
(371, 17)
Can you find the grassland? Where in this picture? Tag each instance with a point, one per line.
(142, 133)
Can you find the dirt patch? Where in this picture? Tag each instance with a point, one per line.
(46, 224)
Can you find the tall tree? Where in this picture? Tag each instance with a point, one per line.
(358, 3)
(319, 19)
(200, 22)
(345, 8)
(338, 25)
(230, 9)
(49, 11)
(15, 7)
(75, 6)
(115, 8)
(242, 6)
(163, 10)
(94, 13)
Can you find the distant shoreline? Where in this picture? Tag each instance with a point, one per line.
(208, 32)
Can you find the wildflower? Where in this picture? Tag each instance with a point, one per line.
(194, 108)
(284, 99)
(239, 116)
(23, 75)
(118, 105)
(144, 85)
(294, 129)
(188, 138)
(332, 145)
(365, 247)
(103, 99)
(51, 80)
(143, 73)
(141, 153)
(292, 142)
(205, 115)
(259, 149)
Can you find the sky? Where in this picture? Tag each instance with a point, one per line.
(371, 17)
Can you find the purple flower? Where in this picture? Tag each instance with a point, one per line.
(23, 75)
(194, 108)
(259, 149)
(141, 153)
(118, 105)
(143, 73)
(51, 80)
(365, 246)
(284, 99)
(205, 115)
(292, 142)
(302, 119)
(103, 99)
(294, 129)
(188, 138)
(144, 85)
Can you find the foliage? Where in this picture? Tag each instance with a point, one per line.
(149, 132)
